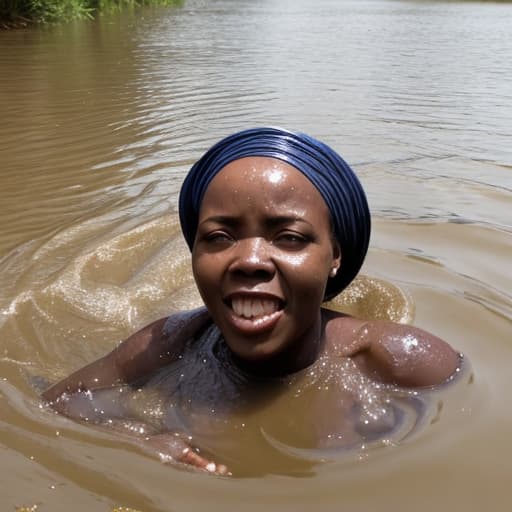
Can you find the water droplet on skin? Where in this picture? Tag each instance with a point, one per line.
(410, 343)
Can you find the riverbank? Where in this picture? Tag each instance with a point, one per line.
(22, 13)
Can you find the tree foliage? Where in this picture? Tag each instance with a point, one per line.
(19, 12)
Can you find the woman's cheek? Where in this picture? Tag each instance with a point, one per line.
(296, 260)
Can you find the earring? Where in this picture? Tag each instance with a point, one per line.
(333, 272)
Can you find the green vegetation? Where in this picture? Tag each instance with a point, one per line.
(22, 12)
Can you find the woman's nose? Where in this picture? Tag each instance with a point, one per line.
(253, 258)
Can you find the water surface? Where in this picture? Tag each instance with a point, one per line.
(102, 119)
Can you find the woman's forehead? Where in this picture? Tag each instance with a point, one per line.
(263, 178)
(256, 171)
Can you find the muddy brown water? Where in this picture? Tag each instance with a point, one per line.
(100, 122)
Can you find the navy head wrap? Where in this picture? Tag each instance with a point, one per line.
(327, 171)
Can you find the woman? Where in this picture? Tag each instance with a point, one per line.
(277, 223)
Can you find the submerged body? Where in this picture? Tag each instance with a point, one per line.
(268, 247)
(176, 385)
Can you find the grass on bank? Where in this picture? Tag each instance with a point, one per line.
(23, 12)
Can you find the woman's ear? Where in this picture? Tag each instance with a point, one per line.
(336, 258)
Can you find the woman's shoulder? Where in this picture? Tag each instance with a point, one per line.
(340, 331)
(158, 343)
(401, 354)
(185, 324)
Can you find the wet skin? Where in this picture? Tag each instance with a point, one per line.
(262, 256)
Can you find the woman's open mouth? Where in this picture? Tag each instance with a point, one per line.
(254, 314)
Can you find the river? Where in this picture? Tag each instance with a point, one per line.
(100, 122)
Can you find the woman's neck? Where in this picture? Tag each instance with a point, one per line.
(294, 358)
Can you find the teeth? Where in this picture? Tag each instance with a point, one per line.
(247, 308)
(257, 308)
(254, 308)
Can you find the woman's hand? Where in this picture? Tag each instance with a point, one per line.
(169, 447)
(172, 447)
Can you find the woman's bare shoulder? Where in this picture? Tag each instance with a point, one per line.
(155, 345)
(395, 353)
(185, 323)
(160, 342)
(341, 332)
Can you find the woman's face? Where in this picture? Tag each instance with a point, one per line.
(261, 258)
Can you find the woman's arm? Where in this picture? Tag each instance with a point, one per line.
(147, 350)
(404, 355)
(169, 447)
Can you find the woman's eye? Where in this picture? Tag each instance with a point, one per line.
(291, 240)
(218, 237)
